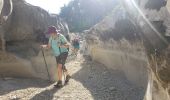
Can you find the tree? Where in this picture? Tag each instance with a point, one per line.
(83, 14)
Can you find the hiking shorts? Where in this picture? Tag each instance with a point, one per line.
(61, 59)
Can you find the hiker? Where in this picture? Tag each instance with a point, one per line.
(59, 45)
(76, 46)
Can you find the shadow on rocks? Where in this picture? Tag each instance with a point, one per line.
(105, 83)
(47, 94)
(12, 84)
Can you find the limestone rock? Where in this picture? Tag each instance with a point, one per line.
(134, 39)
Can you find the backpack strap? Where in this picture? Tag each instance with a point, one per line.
(61, 43)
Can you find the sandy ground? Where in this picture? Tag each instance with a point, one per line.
(90, 81)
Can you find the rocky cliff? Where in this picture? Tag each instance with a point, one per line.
(134, 39)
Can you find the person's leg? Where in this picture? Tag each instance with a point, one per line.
(59, 72)
(64, 57)
(76, 51)
(65, 70)
(67, 76)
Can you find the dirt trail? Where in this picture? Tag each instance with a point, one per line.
(90, 81)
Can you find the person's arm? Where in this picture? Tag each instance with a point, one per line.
(66, 45)
(48, 46)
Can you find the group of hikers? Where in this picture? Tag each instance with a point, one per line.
(60, 47)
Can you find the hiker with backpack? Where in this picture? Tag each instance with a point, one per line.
(59, 45)
(76, 46)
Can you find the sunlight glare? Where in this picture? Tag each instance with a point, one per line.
(144, 17)
(52, 6)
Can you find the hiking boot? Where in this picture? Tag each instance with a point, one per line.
(67, 79)
(59, 84)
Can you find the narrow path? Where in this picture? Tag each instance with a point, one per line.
(90, 81)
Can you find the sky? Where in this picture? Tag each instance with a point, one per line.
(53, 6)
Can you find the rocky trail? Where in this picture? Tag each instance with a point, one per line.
(90, 81)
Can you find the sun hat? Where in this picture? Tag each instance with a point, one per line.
(52, 29)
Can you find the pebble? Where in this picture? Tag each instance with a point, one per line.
(112, 89)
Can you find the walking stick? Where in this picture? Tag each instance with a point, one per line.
(46, 64)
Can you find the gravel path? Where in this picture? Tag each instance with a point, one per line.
(90, 81)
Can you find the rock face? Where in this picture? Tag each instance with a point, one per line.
(28, 21)
(5, 10)
(135, 40)
(24, 31)
(28, 24)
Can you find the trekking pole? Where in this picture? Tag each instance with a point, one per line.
(46, 64)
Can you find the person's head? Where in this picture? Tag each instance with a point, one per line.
(52, 30)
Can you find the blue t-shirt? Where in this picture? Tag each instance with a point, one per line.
(55, 42)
